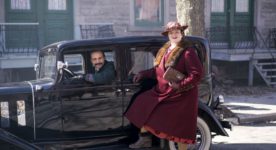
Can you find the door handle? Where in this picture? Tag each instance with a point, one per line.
(127, 90)
(118, 91)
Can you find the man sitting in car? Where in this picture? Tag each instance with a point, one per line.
(103, 71)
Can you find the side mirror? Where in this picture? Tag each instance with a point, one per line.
(218, 101)
(36, 67)
(61, 65)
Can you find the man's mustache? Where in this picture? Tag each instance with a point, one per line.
(98, 64)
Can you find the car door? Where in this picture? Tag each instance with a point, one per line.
(89, 110)
(137, 58)
(48, 116)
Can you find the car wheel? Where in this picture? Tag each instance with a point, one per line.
(203, 137)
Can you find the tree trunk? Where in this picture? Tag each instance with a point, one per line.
(191, 13)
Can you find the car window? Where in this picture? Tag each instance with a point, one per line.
(101, 73)
(141, 59)
(110, 56)
(75, 63)
(47, 66)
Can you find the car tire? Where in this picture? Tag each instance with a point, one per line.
(203, 137)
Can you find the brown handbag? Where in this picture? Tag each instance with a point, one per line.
(173, 75)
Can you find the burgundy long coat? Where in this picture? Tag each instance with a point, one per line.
(162, 110)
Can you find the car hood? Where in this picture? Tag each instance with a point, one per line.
(25, 86)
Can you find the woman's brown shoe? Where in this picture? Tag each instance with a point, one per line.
(143, 142)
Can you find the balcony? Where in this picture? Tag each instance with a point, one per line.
(19, 43)
(96, 30)
(18, 38)
(241, 43)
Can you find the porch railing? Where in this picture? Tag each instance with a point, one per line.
(241, 38)
(272, 37)
(19, 38)
(22, 38)
(96, 30)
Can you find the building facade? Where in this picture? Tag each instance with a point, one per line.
(241, 32)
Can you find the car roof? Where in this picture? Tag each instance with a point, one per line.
(63, 45)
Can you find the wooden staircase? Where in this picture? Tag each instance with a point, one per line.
(267, 69)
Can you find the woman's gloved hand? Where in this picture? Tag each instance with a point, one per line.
(137, 78)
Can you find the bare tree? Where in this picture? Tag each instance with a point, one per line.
(191, 13)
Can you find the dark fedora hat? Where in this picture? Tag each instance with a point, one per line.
(173, 25)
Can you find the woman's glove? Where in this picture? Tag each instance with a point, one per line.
(137, 78)
(89, 78)
(174, 85)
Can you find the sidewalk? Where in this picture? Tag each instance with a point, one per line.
(252, 108)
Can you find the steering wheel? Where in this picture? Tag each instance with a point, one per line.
(68, 73)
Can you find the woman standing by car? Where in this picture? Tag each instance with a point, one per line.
(169, 109)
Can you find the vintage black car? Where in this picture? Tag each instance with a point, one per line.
(60, 110)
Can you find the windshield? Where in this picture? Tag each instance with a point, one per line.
(47, 67)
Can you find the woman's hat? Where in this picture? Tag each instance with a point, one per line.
(173, 25)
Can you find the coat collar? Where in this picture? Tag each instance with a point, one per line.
(174, 55)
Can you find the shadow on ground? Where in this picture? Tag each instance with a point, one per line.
(243, 146)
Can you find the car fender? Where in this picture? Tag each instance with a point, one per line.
(208, 115)
(14, 140)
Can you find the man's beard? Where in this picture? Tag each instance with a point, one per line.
(98, 66)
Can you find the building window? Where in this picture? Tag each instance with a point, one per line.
(21, 4)
(149, 12)
(217, 6)
(242, 5)
(56, 4)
